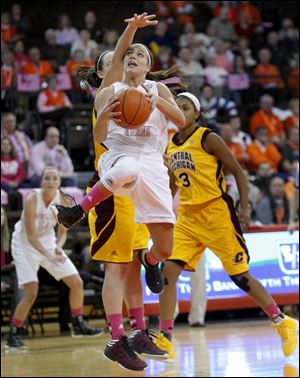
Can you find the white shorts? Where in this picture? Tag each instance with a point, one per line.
(142, 177)
(28, 261)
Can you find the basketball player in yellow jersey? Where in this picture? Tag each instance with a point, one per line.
(207, 218)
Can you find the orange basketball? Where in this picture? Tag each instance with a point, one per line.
(134, 106)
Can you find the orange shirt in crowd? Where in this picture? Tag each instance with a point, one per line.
(178, 7)
(57, 99)
(290, 122)
(7, 76)
(268, 75)
(8, 32)
(259, 154)
(293, 81)
(72, 65)
(238, 152)
(44, 68)
(269, 120)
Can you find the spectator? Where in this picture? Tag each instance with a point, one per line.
(50, 153)
(85, 43)
(231, 11)
(182, 10)
(224, 28)
(238, 81)
(265, 117)
(274, 207)
(290, 150)
(36, 65)
(294, 204)
(164, 60)
(20, 57)
(162, 36)
(54, 53)
(90, 24)
(248, 19)
(12, 171)
(21, 22)
(66, 34)
(215, 75)
(211, 104)
(188, 65)
(293, 79)
(20, 140)
(237, 149)
(9, 31)
(246, 52)
(279, 58)
(293, 118)
(239, 136)
(224, 55)
(262, 151)
(110, 39)
(263, 177)
(266, 73)
(8, 82)
(54, 106)
(197, 42)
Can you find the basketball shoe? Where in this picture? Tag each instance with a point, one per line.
(163, 341)
(141, 342)
(81, 329)
(14, 340)
(154, 276)
(287, 329)
(68, 216)
(121, 352)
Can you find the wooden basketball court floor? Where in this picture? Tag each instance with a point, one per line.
(222, 349)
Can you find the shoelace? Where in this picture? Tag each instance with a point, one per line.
(124, 343)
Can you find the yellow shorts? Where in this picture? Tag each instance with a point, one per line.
(114, 235)
(215, 226)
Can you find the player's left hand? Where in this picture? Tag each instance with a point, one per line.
(142, 20)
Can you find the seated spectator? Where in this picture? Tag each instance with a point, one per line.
(254, 194)
(9, 32)
(266, 73)
(239, 136)
(274, 207)
(245, 51)
(221, 49)
(262, 151)
(238, 81)
(20, 140)
(8, 82)
(248, 19)
(293, 119)
(161, 36)
(290, 149)
(211, 104)
(110, 39)
(231, 11)
(66, 34)
(12, 171)
(263, 177)
(215, 75)
(36, 65)
(54, 53)
(224, 29)
(164, 60)
(279, 57)
(91, 24)
(85, 43)
(188, 65)
(197, 42)
(20, 57)
(237, 149)
(54, 106)
(265, 117)
(50, 153)
(21, 21)
(293, 80)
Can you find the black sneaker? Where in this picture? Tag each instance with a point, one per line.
(81, 329)
(14, 341)
(141, 342)
(121, 352)
(68, 216)
(154, 276)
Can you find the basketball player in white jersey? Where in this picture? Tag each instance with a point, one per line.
(35, 244)
(133, 164)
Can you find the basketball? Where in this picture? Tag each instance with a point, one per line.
(134, 106)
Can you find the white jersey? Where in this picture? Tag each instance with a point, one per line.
(44, 220)
(149, 138)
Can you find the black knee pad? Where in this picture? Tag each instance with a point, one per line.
(241, 281)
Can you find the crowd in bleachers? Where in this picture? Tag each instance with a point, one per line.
(244, 70)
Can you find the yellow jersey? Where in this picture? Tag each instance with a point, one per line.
(199, 175)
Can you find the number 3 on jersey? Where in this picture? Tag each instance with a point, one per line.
(185, 179)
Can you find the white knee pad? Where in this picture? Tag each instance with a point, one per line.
(122, 177)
